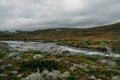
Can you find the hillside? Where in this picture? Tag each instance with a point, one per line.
(106, 32)
(89, 38)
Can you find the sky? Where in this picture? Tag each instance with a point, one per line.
(45, 14)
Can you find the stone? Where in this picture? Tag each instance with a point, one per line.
(1, 61)
(93, 77)
(9, 65)
(56, 73)
(102, 61)
(112, 63)
(19, 75)
(13, 72)
(108, 63)
(50, 76)
(14, 55)
(2, 67)
(34, 76)
(118, 71)
(37, 56)
(3, 75)
(65, 74)
(83, 66)
(45, 72)
(67, 62)
(57, 60)
(75, 66)
(116, 78)
(72, 68)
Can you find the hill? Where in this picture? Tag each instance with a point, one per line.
(90, 38)
(100, 32)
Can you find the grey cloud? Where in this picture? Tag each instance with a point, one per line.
(44, 14)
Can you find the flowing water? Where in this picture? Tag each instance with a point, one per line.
(50, 47)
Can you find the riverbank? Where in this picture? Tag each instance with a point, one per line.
(86, 44)
(51, 47)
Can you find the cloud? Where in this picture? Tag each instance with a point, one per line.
(44, 14)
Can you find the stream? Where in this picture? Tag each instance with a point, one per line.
(50, 47)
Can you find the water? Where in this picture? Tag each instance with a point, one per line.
(50, 47)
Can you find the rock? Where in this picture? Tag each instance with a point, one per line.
(53, 75)
(26, 60)
(50, 76)
(75, 66)
(65, 74)
(116, 78)
(94, 67)
(1, 61)
(9, 65)
(19, 75)
(57, 60)
(112, 63)
(14, 55)
(118, 71)
(67, 62)
(56, 73)
(92, 78)
(108, 63)
(83, 66)
(34, 76)
(45, 72)
(3, 75)
(13, 72)
(102, 61)
(72, 68)
(37, 56)
(2, 67)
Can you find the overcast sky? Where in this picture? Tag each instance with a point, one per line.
(44, 14)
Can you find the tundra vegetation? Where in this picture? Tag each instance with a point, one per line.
(36, 65)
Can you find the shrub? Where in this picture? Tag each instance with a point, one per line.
(33, 64)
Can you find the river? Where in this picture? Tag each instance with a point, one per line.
(50, 47)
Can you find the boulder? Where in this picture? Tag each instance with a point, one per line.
(65, 75)
(1, 61)
(13, 72)
(37, 56)
(108, 63)
(9, 65)
(14, 55)
(2, 67)
(45, 72)
(19, 75)
(112, 63)
(34, 76)
(93, 78)
(3, 75)
(116, 78)
(50, 76)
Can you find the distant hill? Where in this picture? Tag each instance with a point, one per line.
(100, 32)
